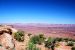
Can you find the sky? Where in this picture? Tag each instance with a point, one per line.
(37, 11)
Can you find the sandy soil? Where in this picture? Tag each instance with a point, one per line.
(62, 46)
(22, 45)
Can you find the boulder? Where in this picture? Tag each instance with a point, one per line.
(6, 39)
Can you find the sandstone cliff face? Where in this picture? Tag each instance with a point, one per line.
(6, 39)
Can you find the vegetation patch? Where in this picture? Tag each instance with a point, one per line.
(32, 46)
(70, 43)
(39, 39)
(50, 43)
(19, 36)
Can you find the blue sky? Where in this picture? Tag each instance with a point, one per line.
(37, 11)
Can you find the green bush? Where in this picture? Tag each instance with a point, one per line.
(19, 36)
(34, 39)
(50, 43)
(58, 39)
(39, 39)
(32, 46)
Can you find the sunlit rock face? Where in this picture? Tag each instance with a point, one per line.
(13, 30)
(6, 39)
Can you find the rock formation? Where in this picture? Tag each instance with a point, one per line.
(6, 39)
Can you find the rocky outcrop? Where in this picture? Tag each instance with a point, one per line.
(6, 39)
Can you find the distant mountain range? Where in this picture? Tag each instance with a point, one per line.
(40, 24)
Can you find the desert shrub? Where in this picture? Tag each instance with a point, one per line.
(66, 39)
(39, 39)
(70, 43)
(34, 39)
(32, 46)
(50, 43)
(19, 36)
(73, 48)
(58, 39)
